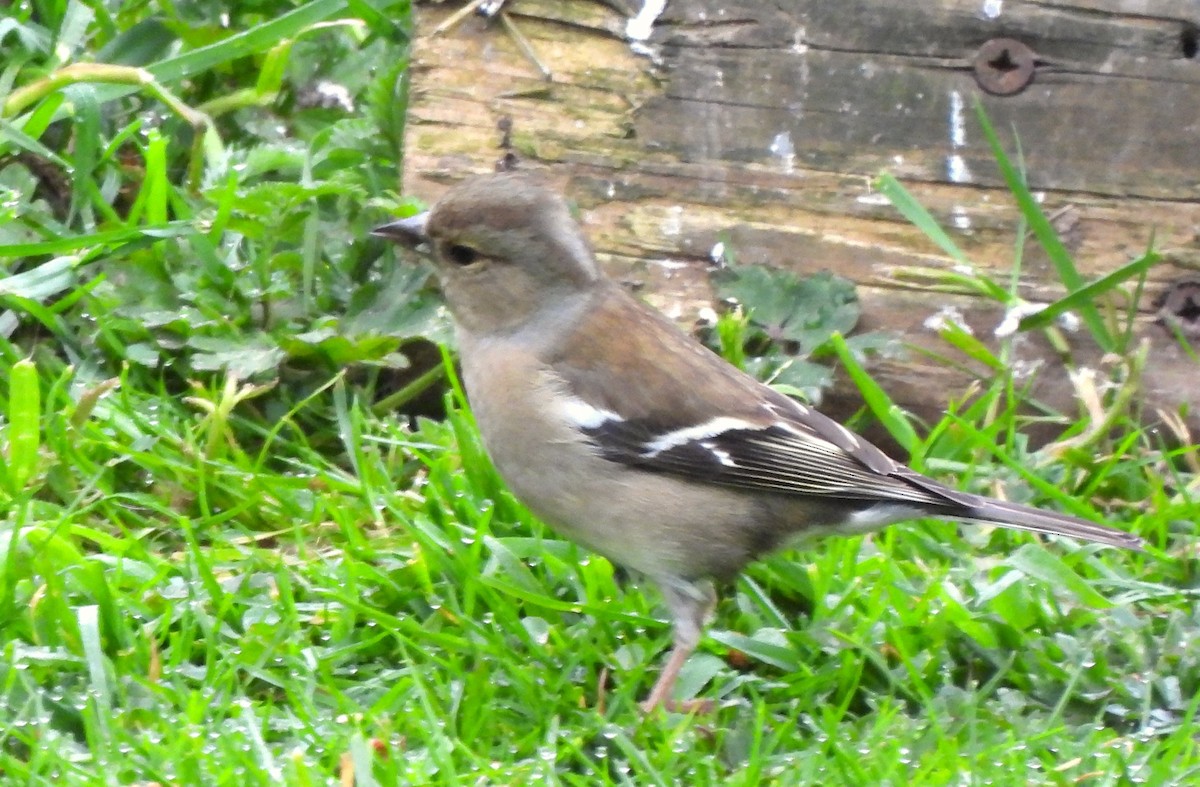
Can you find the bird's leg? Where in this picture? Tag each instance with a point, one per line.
(690, 604)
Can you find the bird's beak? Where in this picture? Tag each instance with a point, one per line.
(408, 232)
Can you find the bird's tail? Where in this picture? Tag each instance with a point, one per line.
(1019, 517)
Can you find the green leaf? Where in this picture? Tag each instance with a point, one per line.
(1044, 231)
(767, 645)
(958, 336)
(32, 37)
(23, 435)
(1086, 295)
(402, 305)
(339, 350)
(45, 280)
(891, 415)
(142, 44)
(1037, 562)
(903, 200)
(247, 42)
(245, 357)
(59, 245)
(788, 308)
(794, 376)
(73, 30)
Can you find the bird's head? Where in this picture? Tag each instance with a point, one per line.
(503, 246)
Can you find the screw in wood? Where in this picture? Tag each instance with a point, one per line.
(1179, 307)
(1004, 66)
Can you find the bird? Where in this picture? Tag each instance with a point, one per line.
(627, 436)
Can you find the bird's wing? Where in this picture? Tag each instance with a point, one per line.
(669, 405)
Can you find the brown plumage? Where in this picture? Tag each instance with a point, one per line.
(628, 436)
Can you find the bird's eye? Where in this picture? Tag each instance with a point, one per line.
(461, 255)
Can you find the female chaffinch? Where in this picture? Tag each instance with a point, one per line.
(632, 439)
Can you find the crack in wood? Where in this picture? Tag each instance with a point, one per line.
(1110, 139)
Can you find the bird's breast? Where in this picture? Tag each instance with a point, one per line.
(654, 523)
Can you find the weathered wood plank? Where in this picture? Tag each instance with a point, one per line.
(666, 160)
(849, 101)
(1105, 36)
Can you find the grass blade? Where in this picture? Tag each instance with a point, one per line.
(1044, 231)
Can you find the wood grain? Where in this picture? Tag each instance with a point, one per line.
(761, 125)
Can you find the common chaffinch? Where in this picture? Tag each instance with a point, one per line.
(627, 436)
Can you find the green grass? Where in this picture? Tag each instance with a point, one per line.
(283, 616)
(222, 561)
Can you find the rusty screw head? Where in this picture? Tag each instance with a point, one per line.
(1179, 307)
(1004, 66)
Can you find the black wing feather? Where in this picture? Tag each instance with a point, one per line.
(782, 457)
